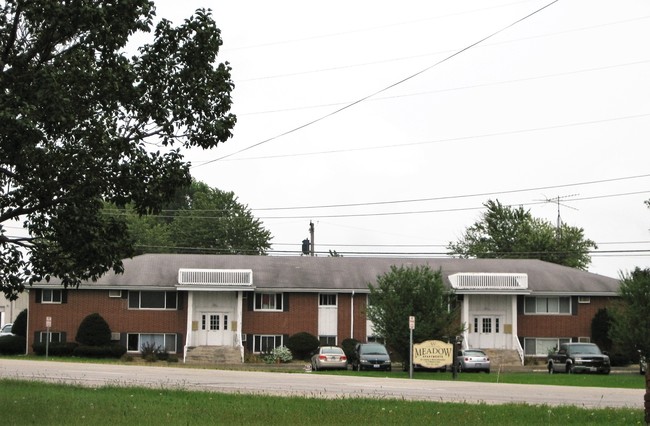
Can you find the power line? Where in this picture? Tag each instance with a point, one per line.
(410, 77)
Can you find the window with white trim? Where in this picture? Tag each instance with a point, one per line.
(584, 299)
(584, 339)
(153, 300)
(266, 343)
(165, 341)
(547, 305)
(327, 299)
(115, 293)
(542, 346)
(54, 336)
(51, 296)
(327, 340)
(268, 301)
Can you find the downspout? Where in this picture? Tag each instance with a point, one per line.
(352, 316)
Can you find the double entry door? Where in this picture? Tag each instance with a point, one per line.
(214, 329)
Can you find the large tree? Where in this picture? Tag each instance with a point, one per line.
(631, 325)
(505, 232)
(199, 220)
(412, 291)
(82, 122)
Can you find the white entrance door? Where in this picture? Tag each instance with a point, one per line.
(214, 329)
(487, 331)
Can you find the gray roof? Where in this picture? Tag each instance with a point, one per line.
(345, 274)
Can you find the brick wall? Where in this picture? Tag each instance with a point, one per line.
(66, 317)
(562, 325)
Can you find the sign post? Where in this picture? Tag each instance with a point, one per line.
(48, 324)
(411, 327)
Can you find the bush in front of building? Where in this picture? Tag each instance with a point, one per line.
(20, 325)
(348, 346)
(54, 348)
(302, 345)
(94, 331)
(112, 350)
(12, 345)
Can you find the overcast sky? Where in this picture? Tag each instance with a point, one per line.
(388, 124)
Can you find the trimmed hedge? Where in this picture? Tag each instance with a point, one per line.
(302, 345)
(106, 351)
(12, 345)
(55, 348)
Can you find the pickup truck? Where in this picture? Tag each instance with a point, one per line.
(578, 357)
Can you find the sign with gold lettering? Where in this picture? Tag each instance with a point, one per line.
(433, 354)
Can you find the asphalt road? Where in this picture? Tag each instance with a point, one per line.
(316, 386)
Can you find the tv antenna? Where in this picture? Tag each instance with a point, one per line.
(558, 201)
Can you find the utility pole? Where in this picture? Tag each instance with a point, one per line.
(311, 234)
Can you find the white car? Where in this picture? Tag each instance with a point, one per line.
(6, 330)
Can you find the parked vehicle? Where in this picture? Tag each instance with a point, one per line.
(331, 357)
(578, 357)
(472, 360)
(6, 330)
(371, 356)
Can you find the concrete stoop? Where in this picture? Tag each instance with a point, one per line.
(213, 355)
(503, 357)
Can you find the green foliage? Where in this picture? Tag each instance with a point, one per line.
(78, 120)
(631, 318)
(94, 331)
(348, 346)
(504, 232)
(600, 326)
(55, 348)
(302, 344)
(20, 325)
(412, 291)
(105, 351)
(199, 219)
(282, 354)
(151, 352)
(12, 345)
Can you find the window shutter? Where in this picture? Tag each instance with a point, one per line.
(249, 343)
(63, 337)
(520, 305)
(125, 294)
(123, 339)
(38, 297)
(250, 297)
(179, 301)
(179, 341)
(37, 337)
(64, 295)
(285, 302)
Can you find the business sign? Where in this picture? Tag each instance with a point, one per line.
(433, 354)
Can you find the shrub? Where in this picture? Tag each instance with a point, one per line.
(12, 345)
(94, 331)
(55, 348)
(282, 354)
(106, 351)
(152, 352)
(302, 345)
(20, 325)
(348, 346)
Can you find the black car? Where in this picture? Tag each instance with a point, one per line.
(578, 357)
(371, 356)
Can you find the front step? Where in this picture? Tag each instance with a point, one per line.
(213, 355)
(499, 357)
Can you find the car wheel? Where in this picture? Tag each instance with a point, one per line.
(487, 371)
(606, 371)
(314, 367)
(569, 368)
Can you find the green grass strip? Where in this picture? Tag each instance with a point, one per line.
(26, 402)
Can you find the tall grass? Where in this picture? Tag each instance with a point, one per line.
(25, 402)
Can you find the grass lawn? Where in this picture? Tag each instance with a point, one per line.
(24, 403)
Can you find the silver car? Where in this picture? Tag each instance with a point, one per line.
(472, 360)
(331, 357)
(6, 330)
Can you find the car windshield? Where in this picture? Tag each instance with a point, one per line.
(373, 350)
(585, 349)
(7, 328)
